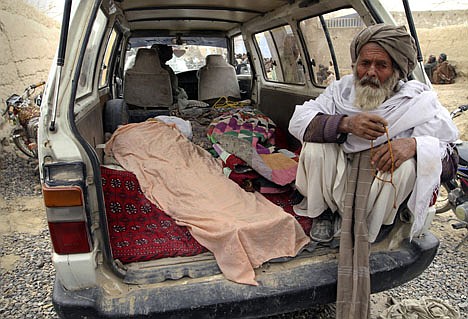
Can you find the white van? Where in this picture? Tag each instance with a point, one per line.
(118, 254)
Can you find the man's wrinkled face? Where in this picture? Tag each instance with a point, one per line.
(374, 63)
(375, 77)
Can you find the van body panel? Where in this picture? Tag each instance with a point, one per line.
(77, 271)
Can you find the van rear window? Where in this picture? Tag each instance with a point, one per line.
(85, 82)
(282, 60)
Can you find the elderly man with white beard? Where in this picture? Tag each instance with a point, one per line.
(371, 140)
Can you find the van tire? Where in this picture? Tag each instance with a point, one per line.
(115, 114)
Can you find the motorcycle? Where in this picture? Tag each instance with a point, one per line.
(453, 195)
(24, 114)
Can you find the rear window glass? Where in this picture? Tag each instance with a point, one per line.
(85, 82)
(241, 61)
(189, 53)
(332, 32)
(103, 78)
(282, 61)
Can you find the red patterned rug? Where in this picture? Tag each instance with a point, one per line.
(139, 231)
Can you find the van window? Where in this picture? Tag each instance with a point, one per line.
(282, 61)
(103, 78)
(85, 82)
(241, 62)
(189, 53)
(341, 26)
(192, 56)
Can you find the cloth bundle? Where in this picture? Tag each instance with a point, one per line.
(249, 135)
(424, 308)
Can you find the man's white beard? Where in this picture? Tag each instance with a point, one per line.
(369, 97)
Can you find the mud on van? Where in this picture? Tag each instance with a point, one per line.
(117, 251)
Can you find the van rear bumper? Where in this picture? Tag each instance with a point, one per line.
(283, 287)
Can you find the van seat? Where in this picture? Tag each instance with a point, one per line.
(147, 84)
(217, 79)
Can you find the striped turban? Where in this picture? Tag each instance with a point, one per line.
(398, 43)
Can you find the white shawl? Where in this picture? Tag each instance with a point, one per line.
(414, 111)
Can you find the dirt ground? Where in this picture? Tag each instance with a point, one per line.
(22, 215)
(452, 96)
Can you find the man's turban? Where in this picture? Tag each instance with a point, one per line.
(395, 40)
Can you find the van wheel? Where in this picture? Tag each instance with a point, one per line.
(115, 114)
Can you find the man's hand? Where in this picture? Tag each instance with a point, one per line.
(402, 149)
(365, 125)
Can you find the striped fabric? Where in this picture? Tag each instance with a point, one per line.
(353, 292)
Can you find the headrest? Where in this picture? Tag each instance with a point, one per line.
(215, 59)
(147, 61)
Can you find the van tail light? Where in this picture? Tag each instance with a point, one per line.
(66, 216)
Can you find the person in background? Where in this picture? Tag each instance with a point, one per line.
(238, 59)
(330, 77)
(444, 73)
(429, 66)
(322, 74)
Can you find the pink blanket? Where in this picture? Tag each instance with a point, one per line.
(242, 230)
